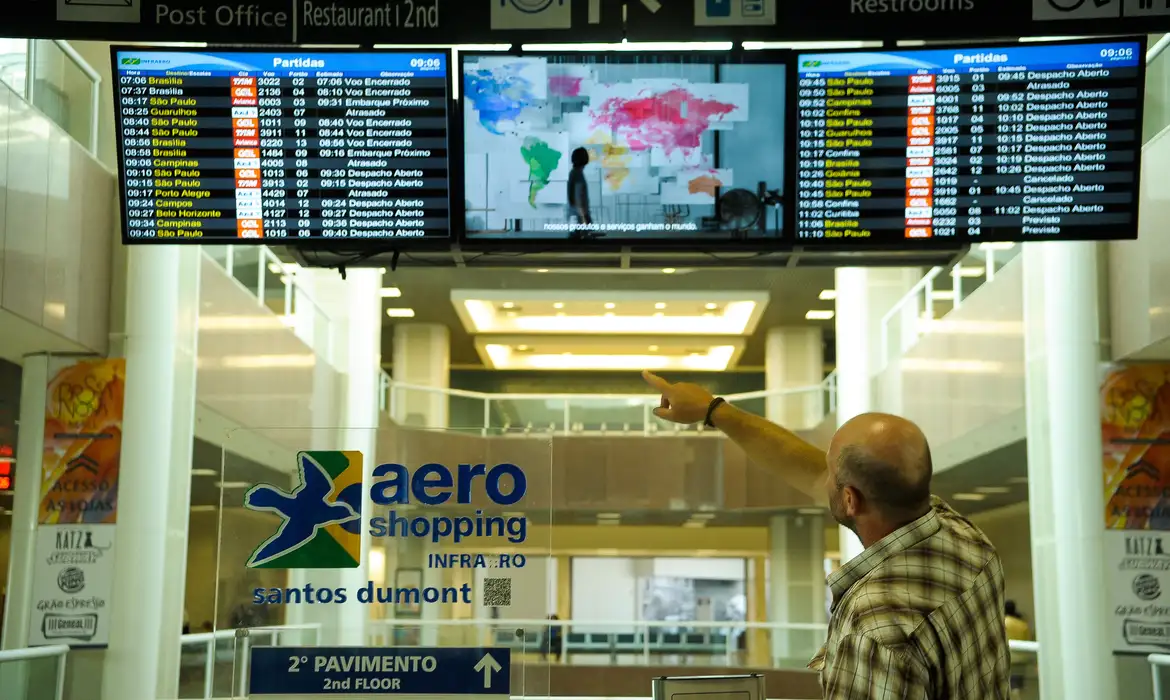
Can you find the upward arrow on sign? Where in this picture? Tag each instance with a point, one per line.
(488, 665)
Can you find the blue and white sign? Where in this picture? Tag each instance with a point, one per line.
(292, 671)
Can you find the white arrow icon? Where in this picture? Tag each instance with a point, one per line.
(488, 665)
(652, 5)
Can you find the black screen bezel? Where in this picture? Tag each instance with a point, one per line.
(823, 244)
(734, 56)
(359, 244)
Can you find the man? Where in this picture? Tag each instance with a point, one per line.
(917, 615)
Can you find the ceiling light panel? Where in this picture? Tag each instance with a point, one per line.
(609, 313)
(566, 353)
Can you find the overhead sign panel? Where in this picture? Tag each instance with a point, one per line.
(364, 22)
(829, 20)
(303, 671)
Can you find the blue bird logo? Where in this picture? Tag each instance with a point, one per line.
(303, 511)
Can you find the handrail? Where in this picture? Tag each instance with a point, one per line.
(1156, 50)
(59, 651)
(209, 640)
(649, 398)
(1156, 660)
(1024, 645)
(693, 624)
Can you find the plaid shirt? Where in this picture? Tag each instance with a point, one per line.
(918, 616)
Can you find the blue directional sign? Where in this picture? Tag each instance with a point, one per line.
(376, 670)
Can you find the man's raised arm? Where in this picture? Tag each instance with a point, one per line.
(768, 445)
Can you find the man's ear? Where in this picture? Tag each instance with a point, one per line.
(852, 499)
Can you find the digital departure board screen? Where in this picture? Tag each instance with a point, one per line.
(1005, 143)
(220, 147)
(625, 146)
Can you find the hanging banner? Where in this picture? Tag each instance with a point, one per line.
(73, 577)
(1138, 566)
(73, 572)
(1135, 440)
(83, 442)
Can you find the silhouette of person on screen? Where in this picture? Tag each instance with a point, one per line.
(579, 196)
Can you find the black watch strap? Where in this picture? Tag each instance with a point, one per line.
(715, 403)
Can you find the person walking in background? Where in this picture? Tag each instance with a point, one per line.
(1017, 629)
(579, 195)
(552, 643)
(916, 616)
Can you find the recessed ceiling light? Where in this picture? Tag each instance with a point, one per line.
(711, 307)
(400, 313)
(668, 270)
(559, 305)
(694, 523)
(1018, 480)
(509, 304)
(381, 270)
(660, 305)
(702, 516)
(566, 354)
(653, 348)
(608, 516)
(659, 313)
(819, 315)
(609, 313)
(543, 269)
(204, 472)
(391, 292)
(827, 294)
(522, 348)
(232, 484)
(601, 521)
(560, 313)
(960, 271)
(810, 511)
(708, 313)
(992, 489)
(511, 314)
(203, 509)
(610, 305)
(968, 496)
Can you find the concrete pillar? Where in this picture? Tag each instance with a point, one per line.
(794, 358)
(796, 583)
(421, 357)
(759, 646)
(864, 296)
(162, 309)
(1062, 350)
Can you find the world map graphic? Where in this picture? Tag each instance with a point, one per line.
(542, 160)
(705, 184)
(672, 120)
(498, 94)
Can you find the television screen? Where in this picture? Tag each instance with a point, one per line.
(231, 146)
(970, 143)
(624, 147)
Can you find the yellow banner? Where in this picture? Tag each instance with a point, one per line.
(1135, 436)
(83, 442)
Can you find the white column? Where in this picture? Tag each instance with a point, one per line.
(796, 583)
(864, 296)
(794, 358)
(1065, 490)
(26, 500)
(422, 357)
(162, 307)
(355, 310)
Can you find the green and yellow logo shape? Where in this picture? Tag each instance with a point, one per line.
(320, 517)
(131, 61)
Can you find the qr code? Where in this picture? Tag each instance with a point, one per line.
(497, 592)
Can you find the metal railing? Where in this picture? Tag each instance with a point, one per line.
(212, 642)
(569, 414)
(1157, 661)
(54, 97)
(59, 651)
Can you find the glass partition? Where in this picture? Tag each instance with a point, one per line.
(428, 546)
(66, 89)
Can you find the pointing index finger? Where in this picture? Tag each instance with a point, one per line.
(655, 381)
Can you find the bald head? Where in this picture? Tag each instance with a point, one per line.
(887, 460)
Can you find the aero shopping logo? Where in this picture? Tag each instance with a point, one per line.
(319, 527)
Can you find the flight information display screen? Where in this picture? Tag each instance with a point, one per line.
(1023, 142)
(218, 147)
(625, 146)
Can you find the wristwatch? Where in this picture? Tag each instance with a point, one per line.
(715, 403)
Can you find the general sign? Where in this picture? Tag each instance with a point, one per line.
(368, 22)
(286, 671)
(364, 22)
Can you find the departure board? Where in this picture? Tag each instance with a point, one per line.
(1023, 142)
(220, 147)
